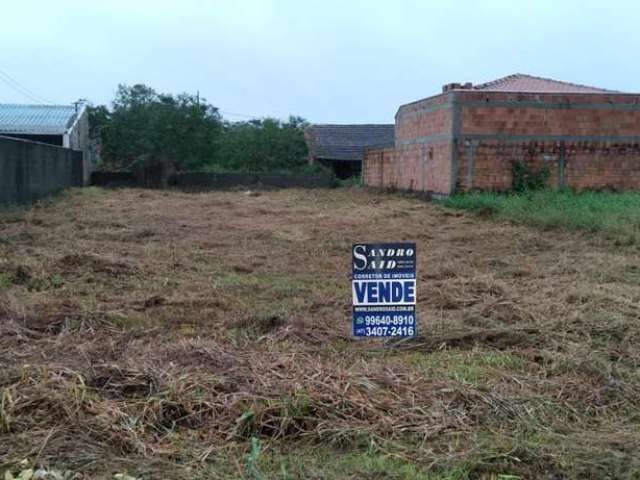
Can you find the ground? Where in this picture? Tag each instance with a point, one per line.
(171, 335)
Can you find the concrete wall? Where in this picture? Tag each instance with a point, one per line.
(77, 138)
(113, 179)
(466, 140)
(199, 181)
(219, 181)
(30, 170)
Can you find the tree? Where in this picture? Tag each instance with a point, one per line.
(264, 145)
(156, 133)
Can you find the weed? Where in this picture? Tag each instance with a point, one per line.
(527, 179)
(326, 463)
(39, 284)
(6, 405)
(475, 368)
(613, 214)
(251, 465)
(351, 182)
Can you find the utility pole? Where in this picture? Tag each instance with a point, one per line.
(77, 103)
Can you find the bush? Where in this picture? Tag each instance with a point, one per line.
(526, 178)
(355, 181)
(614, 214)
(259, 146)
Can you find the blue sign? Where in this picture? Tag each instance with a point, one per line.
(383, 283)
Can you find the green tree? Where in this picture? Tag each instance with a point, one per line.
(156, 133)
(99, 116)
(264, 145)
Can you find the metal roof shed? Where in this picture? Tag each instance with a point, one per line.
(63, 125)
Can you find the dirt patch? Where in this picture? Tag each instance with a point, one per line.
(81, 263)
(153, 301)
(260, 324)
(242, 269)
(16, 273)
(115, 382)
(52, 317)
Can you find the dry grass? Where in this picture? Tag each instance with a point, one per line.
(157, 333)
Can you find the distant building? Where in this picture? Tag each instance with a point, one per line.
(469, 136)
(62, 125)
(342, 147)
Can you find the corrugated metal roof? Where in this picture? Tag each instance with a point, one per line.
(346, 142)
(519, 82)
(36, 119)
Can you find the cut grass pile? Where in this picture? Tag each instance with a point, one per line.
(154, 334)
(615, 214)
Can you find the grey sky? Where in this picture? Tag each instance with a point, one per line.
(329, 61)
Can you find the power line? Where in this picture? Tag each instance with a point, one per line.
(235, 114)
(245, 115)
(18, 87)
(30, 93)
(7, 80)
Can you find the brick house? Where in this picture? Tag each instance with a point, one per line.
(469, 136)
(341, 147)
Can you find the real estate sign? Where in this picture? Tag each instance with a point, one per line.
(383, 284)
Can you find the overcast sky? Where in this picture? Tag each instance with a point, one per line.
(329, 61)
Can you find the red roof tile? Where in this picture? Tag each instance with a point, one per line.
(519, 82)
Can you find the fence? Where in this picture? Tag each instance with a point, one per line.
(113, 179)
(199, 181)
(32, 170)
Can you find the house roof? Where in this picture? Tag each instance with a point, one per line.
(36, 119)
(346, 142)
(520, 82)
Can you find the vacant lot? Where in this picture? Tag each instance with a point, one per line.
(171, 335)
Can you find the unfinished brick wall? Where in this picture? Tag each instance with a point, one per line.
(424, 118)
(487, 164)
(469, 139)
(585, 141)
(604, 166)
(543, 114)
(421, 159)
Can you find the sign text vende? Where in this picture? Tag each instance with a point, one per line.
(382, 292)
